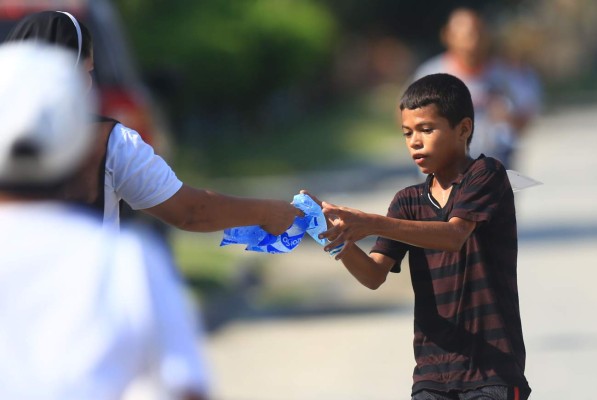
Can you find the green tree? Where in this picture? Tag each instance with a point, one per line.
(230, 55)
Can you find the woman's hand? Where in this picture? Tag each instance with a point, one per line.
(280, 216)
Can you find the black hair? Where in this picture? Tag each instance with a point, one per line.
(449, 94)
(53, 27)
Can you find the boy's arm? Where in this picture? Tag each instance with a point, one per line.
(370, 270)
(200, 210)
(352, 225)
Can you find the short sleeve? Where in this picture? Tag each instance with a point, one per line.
(388, 247)
(481, 192)
(138, 175)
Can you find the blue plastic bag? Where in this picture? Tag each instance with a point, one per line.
(256, 239)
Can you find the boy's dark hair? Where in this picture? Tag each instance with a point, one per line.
(449, 94)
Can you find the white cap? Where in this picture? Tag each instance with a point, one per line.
(45, 109)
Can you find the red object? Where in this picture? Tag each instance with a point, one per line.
(131, 110)
(16, 9)
(121, 93)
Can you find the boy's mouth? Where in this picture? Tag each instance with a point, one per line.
(419, 158)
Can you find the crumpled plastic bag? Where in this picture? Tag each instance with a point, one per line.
(520, 182)
(257, 239)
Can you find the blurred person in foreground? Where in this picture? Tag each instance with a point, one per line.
(459, 229)
(507, 97)
(123, 167)
(86, 312)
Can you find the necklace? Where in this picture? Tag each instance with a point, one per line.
(445, 193)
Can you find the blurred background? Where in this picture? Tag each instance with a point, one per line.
(264, 89)
(266, 97)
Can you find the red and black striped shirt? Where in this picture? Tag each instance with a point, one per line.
(467, 331)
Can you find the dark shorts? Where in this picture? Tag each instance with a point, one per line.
(484, 393)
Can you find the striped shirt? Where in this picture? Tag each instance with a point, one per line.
(468, 331)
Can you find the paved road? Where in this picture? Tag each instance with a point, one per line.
(346, 342)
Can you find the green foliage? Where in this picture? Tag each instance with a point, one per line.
(231, 53)
(357, 129)
(205, 266)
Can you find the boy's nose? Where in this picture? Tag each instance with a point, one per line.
(415, 141)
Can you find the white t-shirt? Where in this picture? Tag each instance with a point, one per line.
(135, 174)
(85, 311)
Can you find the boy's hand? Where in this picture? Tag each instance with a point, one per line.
(280, 216)
(315, 199)
(349, 225)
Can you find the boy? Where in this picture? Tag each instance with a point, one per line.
(459, 228)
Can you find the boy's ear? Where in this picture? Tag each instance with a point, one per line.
(466, 128)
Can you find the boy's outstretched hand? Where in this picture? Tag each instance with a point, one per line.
(349, 225)
(315, 199)
(345, 225)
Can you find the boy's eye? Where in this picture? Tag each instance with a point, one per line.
(427, 130)
(407, 134)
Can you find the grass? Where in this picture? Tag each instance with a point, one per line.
(206, 267)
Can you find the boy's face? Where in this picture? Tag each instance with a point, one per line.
(433, 144)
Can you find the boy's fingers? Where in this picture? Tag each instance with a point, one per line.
(329, 209)
(330, 232)
(334, 237)
(315, 199)
(333, 244)
(334, 210)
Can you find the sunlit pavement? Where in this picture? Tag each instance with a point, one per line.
(363, 351)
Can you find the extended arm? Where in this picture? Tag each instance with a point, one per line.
(370, 270)
(352, 225)
(146, 182)
(200, 210)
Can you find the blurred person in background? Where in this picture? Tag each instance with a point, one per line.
(124, 167)
(86, 312)
(506, 95)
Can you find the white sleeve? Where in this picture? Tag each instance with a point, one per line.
(527, 91)
(431, 66)
(177, 334)
(138, 175)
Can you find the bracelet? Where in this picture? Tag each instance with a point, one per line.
(336, 249)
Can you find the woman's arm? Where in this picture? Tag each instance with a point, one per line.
(200, 210)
